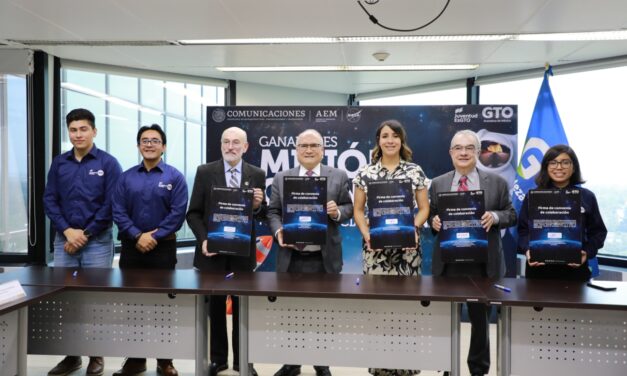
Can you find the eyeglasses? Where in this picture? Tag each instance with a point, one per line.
(308, 146)
(149, 141)
(459, 148)
(566, 163)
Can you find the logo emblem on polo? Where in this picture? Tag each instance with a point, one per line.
(166, 186)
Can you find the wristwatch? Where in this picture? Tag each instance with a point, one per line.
(87, 233)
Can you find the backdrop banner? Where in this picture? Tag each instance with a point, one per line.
(349, 136)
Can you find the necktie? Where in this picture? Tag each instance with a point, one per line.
(233, 183)
(301, 247)
(463, 184)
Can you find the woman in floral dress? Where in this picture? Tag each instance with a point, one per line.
(391, 159)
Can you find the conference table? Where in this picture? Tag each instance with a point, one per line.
(13, 329)
(558, 327)
(339, 320)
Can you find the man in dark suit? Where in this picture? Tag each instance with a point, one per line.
(230, 171)
(312, 258)
(500, 214)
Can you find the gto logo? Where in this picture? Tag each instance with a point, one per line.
(531, 160)
(497, 112)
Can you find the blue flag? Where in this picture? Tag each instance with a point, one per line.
(545, 131)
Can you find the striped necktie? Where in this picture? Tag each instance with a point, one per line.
(233, 183)
(309, 173)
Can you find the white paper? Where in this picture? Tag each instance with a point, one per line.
(11, 291)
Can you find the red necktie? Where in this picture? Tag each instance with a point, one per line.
(309, 173)
(463, 184)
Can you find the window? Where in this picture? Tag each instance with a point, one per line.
(591, 106)
(123, 103)
(13, 165)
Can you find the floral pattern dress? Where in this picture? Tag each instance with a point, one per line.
(391, 261)
(394, 261)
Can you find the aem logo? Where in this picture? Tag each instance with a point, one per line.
(497, 112)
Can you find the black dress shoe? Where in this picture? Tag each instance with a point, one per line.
(132, 367)
(322, 371)
(288, 370)
(251, 370)
(68, 365)
(214, 368)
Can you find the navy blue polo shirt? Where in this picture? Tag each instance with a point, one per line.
(147, 200)
(78, 193)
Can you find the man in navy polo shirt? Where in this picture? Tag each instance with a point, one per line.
(149, 207)
(77, 200)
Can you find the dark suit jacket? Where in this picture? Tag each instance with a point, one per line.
(207, 176)
(497, 199)
(337, 190)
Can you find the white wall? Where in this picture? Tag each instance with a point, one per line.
(250, 94)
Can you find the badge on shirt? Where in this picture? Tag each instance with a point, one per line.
(99, 172)
(166, 186)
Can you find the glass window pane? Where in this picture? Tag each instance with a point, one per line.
(194, 102)
(87, 80)
(149, 118)
(175, 98)
(175, 152)
(591, 106)
(123, 128)
(152, 94)
(213, 96)
(13, 165)
(193, 151)
(123, 87)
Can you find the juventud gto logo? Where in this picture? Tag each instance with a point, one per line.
(461, 117)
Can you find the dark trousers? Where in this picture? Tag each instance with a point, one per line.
(306, 262)
(479, 314)
(163, 256)
(219, 343)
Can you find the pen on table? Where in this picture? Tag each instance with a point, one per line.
(503, 288)
(229, 276)
(357, 281)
